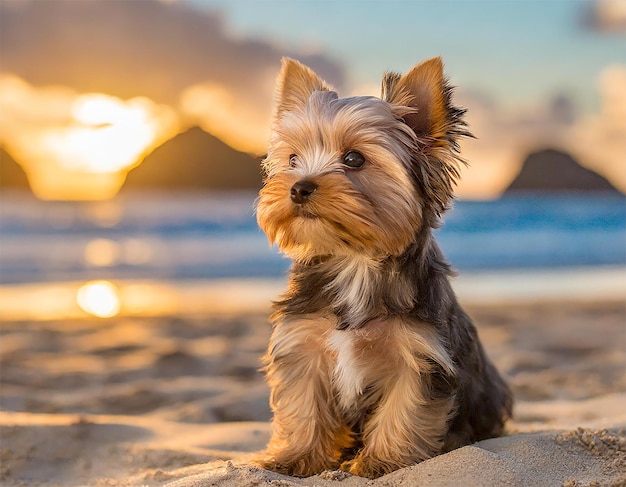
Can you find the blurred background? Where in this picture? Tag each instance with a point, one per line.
(131, 133)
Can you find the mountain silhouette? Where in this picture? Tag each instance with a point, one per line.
(551, 170)
(11, 173)
(195, 160)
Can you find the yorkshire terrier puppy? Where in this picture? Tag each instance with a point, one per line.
(373, 365)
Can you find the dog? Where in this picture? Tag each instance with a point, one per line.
(372, 363)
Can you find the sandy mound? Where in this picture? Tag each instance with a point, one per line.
(577, 458)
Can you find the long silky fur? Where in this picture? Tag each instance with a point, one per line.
(437, 169)
(417, 284)
(334, 381)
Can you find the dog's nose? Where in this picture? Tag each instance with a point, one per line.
(301, 191)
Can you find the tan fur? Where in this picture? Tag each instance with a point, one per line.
(307, 436)
(295, 83)
(344, 219)
(313, 405)
(375, 210)
(419, 98)
(406, 426)
(422, 89)
(360, 364)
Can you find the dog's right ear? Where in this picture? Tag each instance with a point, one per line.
(294, 86)
(423, 99)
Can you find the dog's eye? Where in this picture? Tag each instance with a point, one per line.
(293, 160)
(353, 159)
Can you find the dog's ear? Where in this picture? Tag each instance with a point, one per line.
(425, 92)
(423, 99)
(294, 86)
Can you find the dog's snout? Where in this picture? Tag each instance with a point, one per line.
(302, 190)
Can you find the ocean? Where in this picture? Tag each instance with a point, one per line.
(215, 236)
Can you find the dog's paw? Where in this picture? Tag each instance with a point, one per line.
(265, 462)
(368, 467)
(294, 466)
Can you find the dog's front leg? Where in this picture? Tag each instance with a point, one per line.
(408, 425)
(307, 436)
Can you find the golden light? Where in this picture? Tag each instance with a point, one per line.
(137, 251)
(112, 134)
(242, 124)
(600, 138)
(101, 252)
(99, 298)
(78, 146)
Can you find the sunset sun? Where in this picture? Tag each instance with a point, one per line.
(108, 136)
(79, 146)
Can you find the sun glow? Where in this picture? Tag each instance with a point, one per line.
(78, 146)
(242, 124)
(110, 137)
(99, 298)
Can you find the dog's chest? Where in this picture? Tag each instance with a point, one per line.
(348, 375)
(357, 355)
(353, 288)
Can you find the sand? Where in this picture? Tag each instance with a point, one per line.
(156, 401)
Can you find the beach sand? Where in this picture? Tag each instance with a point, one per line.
(154, 401)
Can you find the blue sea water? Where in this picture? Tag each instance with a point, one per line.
(175, 236)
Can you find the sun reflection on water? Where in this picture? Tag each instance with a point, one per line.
(99, 298)
(101, 252)
(104, 252)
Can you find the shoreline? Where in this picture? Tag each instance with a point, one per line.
(58, 300)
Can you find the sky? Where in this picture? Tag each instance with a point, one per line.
(499, 47)
(79, 78)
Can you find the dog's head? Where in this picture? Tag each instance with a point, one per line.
(362, 174)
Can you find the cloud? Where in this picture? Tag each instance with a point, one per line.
(130, 48)
(503, 138)
(506, 136)
(236, 119)
(167, 51)
(186, 62)
(600, 139)
(607, 16)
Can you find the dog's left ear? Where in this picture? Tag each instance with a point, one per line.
(295, 84)
(423, 99)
